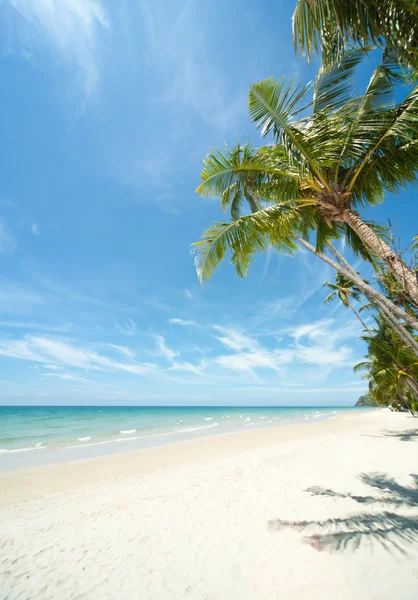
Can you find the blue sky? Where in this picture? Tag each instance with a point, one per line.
(107, 111)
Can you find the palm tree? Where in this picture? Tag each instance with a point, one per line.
(333, 25)
(392, 369)
(322, 168)
(345, 290)
(394, 290)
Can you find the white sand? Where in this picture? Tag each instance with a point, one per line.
(198, 520)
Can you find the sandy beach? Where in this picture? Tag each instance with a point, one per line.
(313, 511)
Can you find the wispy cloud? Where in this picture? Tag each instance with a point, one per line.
(127, 352)
(73, 29)
(234, 339)
(64, 353)
(129, 328)
(35, 229)
(249, 354)
(322, 345)
(188, 293)
(7, 240)
(164, 349)
(19, 299)
(63, 328)
(182, 64)
(65, 376)
(183, 323)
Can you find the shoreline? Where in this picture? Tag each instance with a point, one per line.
(141, 461)
(308, 511)
(107, 444)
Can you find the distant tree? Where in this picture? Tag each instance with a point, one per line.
(345, 290)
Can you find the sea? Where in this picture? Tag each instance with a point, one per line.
(36, 435)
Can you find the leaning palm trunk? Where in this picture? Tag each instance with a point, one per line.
(359, 318)
(381, 308)
(365, 288)
(396, 265)
(397, 328)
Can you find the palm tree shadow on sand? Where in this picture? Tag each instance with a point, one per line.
(409, 435)
(394, 532)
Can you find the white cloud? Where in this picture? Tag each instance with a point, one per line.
(234, 339)
(257, 359)
(128, 329)
(7, 240)
(127, 352)
(312, 330)
(183, 323)
(164, 349)
(18, 299)
(66, 376)
(64, 328)
(322, 342)
(249, 354)
(319, 355)
(188, 293)
(187, 366)
(59, 353)
(73, 29)
(35, 229)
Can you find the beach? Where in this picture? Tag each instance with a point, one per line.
(308, 511)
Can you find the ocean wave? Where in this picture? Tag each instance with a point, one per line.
(88, 445)
(18, 450)
(84, 439)
(143, 437)
(208, 418)
(127, 431)
(190, 429)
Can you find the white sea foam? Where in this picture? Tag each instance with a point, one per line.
(128, 431)
(84, 439)
(142, 437)
(208, 418)
(18, 450)
(196, 428)
(88, 445)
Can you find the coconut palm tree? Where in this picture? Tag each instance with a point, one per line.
(346, 291)
(333, 25)
(323, 167)
(392, 369)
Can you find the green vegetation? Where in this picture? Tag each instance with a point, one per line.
(345, 290)
(366, 400)
(332, 26)
(332, 153)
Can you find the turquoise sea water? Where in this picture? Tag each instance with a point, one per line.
(38, 435)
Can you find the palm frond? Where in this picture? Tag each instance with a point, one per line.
(392, 129)
(272, 226)
(272, 106)
(334, 25)
(330, 297)
(222, 170)
(334, 83)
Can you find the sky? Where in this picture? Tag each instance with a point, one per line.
(107, 111)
